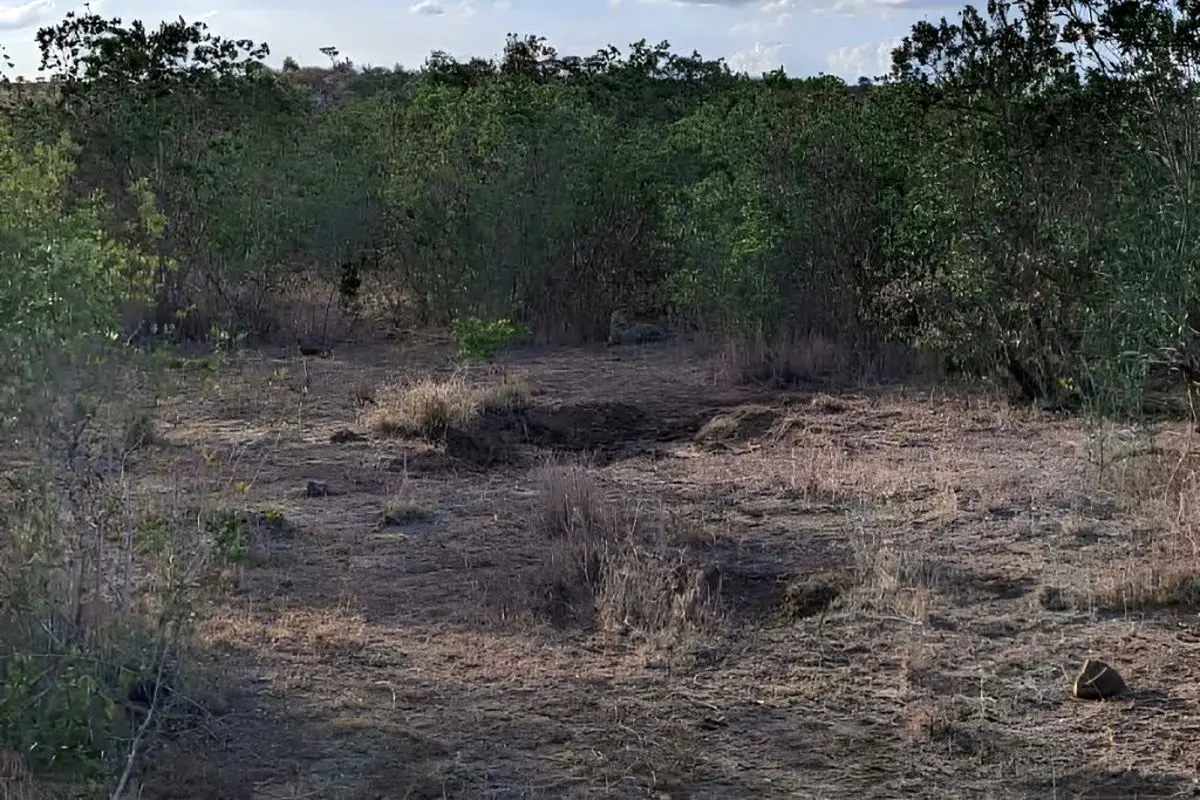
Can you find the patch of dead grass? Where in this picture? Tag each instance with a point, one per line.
(1154, 476)
(328, 630)
(652, 591)
(606, 563)
(428, 407)
(405, 508)
(1140, 585)
(583, 551)
(891, 578)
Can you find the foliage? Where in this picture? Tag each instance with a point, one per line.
(64, 278)
(1018, 194)
(64, 720)
(70, 263)
(230, 532)
(479, 340)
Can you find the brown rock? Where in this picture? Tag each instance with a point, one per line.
(1098, 681)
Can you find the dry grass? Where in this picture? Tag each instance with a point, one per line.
(890, 578)
(1154, 477)
(427, 407)
(607, 562)
(879, 594)
(812, 359)
(404, 508)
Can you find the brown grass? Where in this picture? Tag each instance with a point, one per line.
(404, 508)
(881, 594)
(427, 407)
(812, 359)
(607, 562)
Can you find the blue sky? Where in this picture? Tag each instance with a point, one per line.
(840, 37)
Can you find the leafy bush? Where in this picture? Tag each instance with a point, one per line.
(68, 267)
(479, 340)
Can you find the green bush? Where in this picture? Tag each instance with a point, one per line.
(68, 267)
(478, 340)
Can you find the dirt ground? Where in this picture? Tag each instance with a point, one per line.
(906, 582)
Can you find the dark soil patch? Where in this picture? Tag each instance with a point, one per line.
(607, 430)
(753, 583)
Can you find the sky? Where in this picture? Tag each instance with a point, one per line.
(847, 38)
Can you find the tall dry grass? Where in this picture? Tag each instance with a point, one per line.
(1152, 474)
(607, 561)
(428, 406)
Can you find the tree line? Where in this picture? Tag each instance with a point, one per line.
(1015, 195)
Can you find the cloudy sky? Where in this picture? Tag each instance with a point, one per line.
(841, 37)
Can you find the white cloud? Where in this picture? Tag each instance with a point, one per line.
(772, 16)
(870, 60)
(456, 12)
(759, 27)
(883, 9)
(762, 57)
(13, 18)
(775, 13)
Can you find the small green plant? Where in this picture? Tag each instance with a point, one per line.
(231, 535)
(225, 341)
(151, 535)
(54, 710)
(479, 340)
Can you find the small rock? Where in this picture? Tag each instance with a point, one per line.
(345, 436)
(1098, 681)
(317, 489)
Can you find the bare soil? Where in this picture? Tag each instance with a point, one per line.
(908, 582)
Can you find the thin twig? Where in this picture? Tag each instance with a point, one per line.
(137, 739)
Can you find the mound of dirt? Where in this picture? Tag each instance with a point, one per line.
(738, 425)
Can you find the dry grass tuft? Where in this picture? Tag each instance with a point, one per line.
(404, 508)
(574, 507)
(606, 565)
(424, 408)
(428, 407)
(1153, 475)
(651, 591)
(511, 393)
(1146, 586)
(890, 579)
(581, 528)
